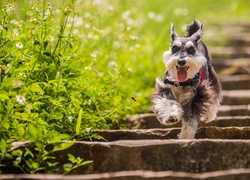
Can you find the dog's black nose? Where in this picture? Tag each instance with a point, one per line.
(181, 62)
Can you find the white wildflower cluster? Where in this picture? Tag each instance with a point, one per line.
(20, 99)
(8, 8)
(49, 9)
(130, 21)
(77, 21)
(156, 17)
(15, 22)
(181, 11)
(17, 83)
(34, 7)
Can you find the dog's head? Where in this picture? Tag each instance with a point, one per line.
(183, 60)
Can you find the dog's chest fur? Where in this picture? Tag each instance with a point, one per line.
(183, 95)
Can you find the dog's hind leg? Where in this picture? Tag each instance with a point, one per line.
(211, 112)
(188, 129)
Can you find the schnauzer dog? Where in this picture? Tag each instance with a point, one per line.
(190, 90)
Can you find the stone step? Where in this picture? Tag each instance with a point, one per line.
(195, 156)
(148, 121)
(229, 52)
(236, 97)
(210, 132)
(225, 67)
(234, 110)
(232, 174)
(240, 39)
(236, 82)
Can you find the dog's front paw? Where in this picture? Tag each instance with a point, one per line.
(167, 120)
(167, 111)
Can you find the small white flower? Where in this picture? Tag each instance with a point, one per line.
(93, 55)
(87, 130)
(23, 74)
(88, 68)
(17, 83)
(126, 14)
(15, 22)
(51, 38)
(137, 46)
(110, 8)
(67, 9)
(19, 45)
(112, 64)
(20, 99)
(32, 31)
(134, 37)
(78, 21)
(87, 26)
(87, 15)
(34, 7)
(151, 15)
(130, 69)
(32, 19)
(90, 35)
(70, 118)
(75, 31)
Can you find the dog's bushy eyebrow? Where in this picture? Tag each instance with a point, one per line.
(189, 44)
(177, 43)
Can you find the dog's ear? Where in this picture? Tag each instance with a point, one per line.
(198, 34)
(174, 35)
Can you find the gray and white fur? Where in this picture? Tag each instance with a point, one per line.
(190, 90)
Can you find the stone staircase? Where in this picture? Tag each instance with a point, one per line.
(149, 150)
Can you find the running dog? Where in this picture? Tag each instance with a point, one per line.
(190, 90)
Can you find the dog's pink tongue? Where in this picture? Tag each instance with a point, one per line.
(182, 74)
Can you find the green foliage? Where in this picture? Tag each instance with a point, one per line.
(39, 157)
(71, 67)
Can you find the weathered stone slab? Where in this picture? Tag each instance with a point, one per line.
(241, 174)
(227, 121)
(225, 63)
(236, 97)
(194, 156)
(210, 132)
(234, 110)
(232, 118)
(241, 39)
(230, 52)
(235, 82)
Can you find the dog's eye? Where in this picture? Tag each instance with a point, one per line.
(175, 49)
(191, 50)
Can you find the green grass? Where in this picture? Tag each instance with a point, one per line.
(71, 67)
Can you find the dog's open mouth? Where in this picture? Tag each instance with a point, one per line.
(182, 73)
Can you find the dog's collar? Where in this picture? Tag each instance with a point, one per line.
(190, 82)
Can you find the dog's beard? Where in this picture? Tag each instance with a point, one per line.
(181, 74)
